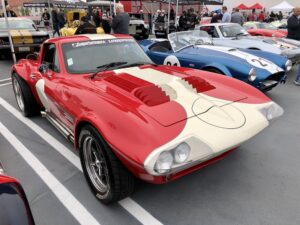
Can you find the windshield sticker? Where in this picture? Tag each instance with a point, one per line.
(70, 62)
(100, 42)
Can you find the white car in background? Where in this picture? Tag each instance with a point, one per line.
(234, 35)
(137, 26)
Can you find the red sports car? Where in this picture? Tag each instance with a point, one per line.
(131, 118)
(264, 29)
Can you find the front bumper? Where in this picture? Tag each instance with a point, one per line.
(271, 82)
(293, 55)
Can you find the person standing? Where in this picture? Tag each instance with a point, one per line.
(293, 25)
(261, 17)
(61, 18)
(85, 27)
(237, 17)
(226, 18)
(253, 16)
(120, 23)
(55, 22)
(10, 12)
(46, 18)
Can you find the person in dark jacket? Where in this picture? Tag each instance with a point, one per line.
(120, 23)
(55, 22)
(61, 18)
(86, 27)
(293, 25)
(183, 22)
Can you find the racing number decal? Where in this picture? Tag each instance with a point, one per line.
(171, 60)
(259, 61)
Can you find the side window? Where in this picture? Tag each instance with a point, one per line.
(50, 57)
(211, 30)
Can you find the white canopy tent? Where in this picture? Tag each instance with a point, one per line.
(283, 6)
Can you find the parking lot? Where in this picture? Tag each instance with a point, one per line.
(258, 184)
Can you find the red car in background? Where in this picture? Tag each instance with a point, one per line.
(264, 29)
(14, 206)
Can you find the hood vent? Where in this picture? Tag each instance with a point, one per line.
(199, 84)
(151, 95)
(122, 83)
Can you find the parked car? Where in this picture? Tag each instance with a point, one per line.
(280, 24)
(195, 49)
(137, 26)
(131, 118)
(14, 205)
(161, 30)
(264, 29)
(25, 36)
(234, 35)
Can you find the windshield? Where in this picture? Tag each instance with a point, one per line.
(233, 30)
(86, 56)
(266, 26)
(17, 25)
(183, 39)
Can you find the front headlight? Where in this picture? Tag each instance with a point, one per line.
(164, 162)
(252, 75)
(288, 66)
(272, 111)
(182, 152)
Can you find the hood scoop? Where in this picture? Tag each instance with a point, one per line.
(199, 84)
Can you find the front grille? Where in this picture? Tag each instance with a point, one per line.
(276, 76)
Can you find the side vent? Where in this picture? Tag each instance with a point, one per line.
(122, 83)
(199, 84)
(151, 95)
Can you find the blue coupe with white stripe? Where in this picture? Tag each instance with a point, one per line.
(194, 49)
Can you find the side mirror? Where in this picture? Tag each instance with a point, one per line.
(33, 56)
(43, 68)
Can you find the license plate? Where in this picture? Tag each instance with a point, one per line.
(24, 49)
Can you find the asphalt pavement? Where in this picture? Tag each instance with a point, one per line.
(258, 184)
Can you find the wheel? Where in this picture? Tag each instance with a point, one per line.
(214, 70)
(25, 99)
(108, 179)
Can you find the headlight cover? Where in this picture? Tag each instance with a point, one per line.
(252, 75)
(182, 152)
(164, 162)
(288, 66)
(272, 111)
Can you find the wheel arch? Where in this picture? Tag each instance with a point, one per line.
(222, 69)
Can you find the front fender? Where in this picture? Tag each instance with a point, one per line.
(219, 67)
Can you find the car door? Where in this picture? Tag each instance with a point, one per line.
(53, 81)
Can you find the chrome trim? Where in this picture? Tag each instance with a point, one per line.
(66, 132)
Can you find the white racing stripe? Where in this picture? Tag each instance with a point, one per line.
(128, 204)
(5, 84)
(78, 211)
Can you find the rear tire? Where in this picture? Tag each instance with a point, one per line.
(108, 179)
(24, 97)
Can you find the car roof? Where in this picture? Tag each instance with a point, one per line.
(87, 37)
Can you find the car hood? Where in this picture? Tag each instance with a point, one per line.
(169, 96)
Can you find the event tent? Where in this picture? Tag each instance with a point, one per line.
(241, 7)
(283, 6)
(256, 6)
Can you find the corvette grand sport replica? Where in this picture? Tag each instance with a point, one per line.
(195, 49)
(234, 35)
(25, 36)
(129, 117)
(264, 29)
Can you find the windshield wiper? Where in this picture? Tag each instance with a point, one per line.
(240, 34)
(106, 67)
(138, 64)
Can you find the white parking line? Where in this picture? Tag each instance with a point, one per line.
(6, 79)
(128, 204)
(79, 212)
(5, 84)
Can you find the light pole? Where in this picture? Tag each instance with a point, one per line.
(8, 31)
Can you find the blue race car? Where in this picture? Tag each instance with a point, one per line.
(195, 49)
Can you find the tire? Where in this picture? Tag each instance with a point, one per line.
(115, 181)
(24, 97)
(213, 70)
